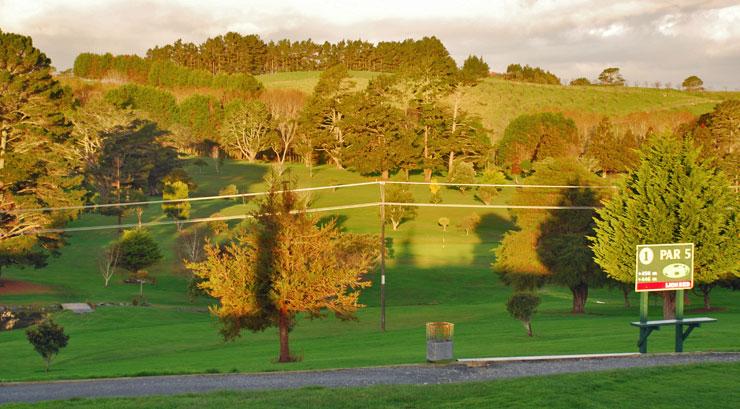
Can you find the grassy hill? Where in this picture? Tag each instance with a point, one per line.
(496, 101)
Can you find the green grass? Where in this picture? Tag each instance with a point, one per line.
(426, 282)
(306, 80)
(706, 386)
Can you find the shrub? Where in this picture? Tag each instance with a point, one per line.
(398, 214)
(522, 306)
(229, 190)
(469, 223)
(491, 176)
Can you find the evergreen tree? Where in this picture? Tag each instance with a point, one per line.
(473, 69)
(693, 83)
(47, 339)
(176, 210)
(37, 165)
(138, 250)
(611, 76)
(674, 196)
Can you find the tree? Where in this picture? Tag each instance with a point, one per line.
(37, 165)
(379, 138)
(229, 190)
(322, 119)
(674, 196)
(718, 134)
(132, 160)
(108, 261)
(282, 265)
(462, 172)
(611, 76)
(285, 107)
(580, 82)
(552, 245)
(47, 339)
(176, 210)
(398, 214)
(537, 75)
(612, 152)
(474, 68)
(138, 250)
(443, 222)
(530, 138)
(693, 83)
(491, 176)
(522, 306)
(190, 248)
(245, 129)
(469, 223)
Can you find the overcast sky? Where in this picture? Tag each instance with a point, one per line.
(649, 40)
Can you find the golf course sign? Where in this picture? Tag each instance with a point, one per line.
(664, 267)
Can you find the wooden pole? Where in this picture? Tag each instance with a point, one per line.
(382, 256)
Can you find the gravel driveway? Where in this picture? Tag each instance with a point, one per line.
(408, 374)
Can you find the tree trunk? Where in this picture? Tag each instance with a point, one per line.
(283, 324)
(427, 175)
(580, 295)
(626, 295)
(384, 175)
(449, 163)
(669, 305)
(528, 326)
(395, 224)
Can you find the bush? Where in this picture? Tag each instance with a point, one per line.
(522, 306)
(47, 339)
(229, 190)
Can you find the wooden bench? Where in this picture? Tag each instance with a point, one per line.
(647, 327)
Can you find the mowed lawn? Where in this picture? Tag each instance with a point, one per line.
(426, 282)
(707, 386)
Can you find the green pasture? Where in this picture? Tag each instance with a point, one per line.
(305, 81)
(426, 281)
(706, 386)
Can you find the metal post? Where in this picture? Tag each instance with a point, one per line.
(643, 319)
(679, 318)
(382, 256)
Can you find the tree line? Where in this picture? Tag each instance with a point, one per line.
(159, 73)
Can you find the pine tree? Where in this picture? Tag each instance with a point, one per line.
(674, 196)
(37, 164)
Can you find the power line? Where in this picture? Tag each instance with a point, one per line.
(305, 189)
(316, 210)
(197, 220)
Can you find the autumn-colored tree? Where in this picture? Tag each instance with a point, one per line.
(284, 264)
(718, 134)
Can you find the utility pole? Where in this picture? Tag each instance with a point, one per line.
(382, 256)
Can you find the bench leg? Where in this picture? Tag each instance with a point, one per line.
(644, 334)
(679, 338)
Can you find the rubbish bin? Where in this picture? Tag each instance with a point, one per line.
(439, 341)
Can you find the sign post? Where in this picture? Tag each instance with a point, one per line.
(663, 267)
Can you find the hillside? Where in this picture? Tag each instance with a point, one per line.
(496, 101)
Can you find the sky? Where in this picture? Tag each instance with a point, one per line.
(648, 40)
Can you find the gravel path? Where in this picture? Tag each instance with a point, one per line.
(409, 374)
